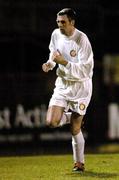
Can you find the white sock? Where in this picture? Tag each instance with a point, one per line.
(78, 144)
(66, 117)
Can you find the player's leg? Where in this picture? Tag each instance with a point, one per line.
(54, 115)
(78, 142)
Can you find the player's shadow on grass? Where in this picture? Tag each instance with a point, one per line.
(94, 174)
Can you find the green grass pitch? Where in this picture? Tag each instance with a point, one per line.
(59, 167)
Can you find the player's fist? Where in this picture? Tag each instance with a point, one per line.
(58, 58)
(46, 67)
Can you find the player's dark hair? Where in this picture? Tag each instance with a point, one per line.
(71, 14)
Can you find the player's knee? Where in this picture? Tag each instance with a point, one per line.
(52, 123)
(75, 131)
(76, 124)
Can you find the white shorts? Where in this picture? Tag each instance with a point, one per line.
(75, 96)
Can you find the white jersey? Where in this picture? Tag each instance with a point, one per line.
(74, 83)
(75, 49)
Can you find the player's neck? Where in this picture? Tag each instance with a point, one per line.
(70, 33)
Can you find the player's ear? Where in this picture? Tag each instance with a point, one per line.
(73, 22)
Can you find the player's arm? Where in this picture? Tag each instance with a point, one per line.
(50, 64)
(84, 67)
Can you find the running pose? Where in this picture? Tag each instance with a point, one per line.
(72, 51)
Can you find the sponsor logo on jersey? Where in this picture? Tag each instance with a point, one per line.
(73, 53)
(82, 106)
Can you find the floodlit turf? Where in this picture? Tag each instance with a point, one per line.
(59, 167)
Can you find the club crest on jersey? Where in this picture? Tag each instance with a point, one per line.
(73, 53)
(82, 106)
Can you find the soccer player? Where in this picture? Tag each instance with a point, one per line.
(72, 51)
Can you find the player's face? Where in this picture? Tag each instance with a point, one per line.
(65, 25)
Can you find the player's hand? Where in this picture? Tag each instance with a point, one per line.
(58, 58)
(46, 67)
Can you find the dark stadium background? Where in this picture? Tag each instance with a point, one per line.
(25, 29)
